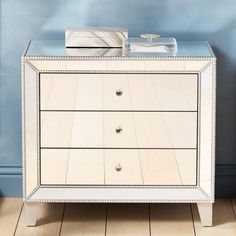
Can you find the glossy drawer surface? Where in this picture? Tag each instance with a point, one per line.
(176, 92)
(118, 167)
(119, 129)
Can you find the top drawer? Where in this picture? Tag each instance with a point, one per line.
(138, 92)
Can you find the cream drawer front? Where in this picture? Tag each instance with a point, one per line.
(119, 129)
(72, 166)
(116, 92)
(118, 167)
(72, 129)
(168, 167)
(166, 129)
(71, 92)
(122, 167)
(150, 167)
(176, 92)
(87, 129)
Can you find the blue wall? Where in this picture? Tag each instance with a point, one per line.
(213, 20)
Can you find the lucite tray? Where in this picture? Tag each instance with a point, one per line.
(150, 43)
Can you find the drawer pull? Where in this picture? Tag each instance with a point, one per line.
(119, 92)
(118, 130)
(118, 167)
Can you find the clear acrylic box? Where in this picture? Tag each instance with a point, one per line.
(150, 44)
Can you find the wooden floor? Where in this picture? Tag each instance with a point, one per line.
(117, 219)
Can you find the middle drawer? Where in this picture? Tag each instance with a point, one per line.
(119, 129)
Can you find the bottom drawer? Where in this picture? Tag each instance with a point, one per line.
(118, 166)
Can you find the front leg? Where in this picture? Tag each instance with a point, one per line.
(206, 213)
(31, 213)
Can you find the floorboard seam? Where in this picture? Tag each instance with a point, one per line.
(149, 216)
(191, 209)
(106, 218)
(17, 223)
(62, 219)
(231, 202)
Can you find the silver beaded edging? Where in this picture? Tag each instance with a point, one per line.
(23, 126)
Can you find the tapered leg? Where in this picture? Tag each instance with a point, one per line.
(206, 213)
(31, 213)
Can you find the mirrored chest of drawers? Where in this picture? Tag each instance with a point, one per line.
(113, 128)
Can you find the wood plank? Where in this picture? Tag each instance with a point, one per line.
(84, 219)
(128, 219)
(48, 222)
(10, 209)
(234, 206)
(171, 219)
(223, 220)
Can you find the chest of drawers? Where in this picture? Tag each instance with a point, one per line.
(118, 129)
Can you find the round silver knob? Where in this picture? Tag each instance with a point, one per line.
(119, 130)
(118, 167)
(119, 92)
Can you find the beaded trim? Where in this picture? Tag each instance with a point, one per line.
(23, 126)
(121, 58)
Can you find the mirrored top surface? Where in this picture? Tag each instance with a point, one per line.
(57, 48)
